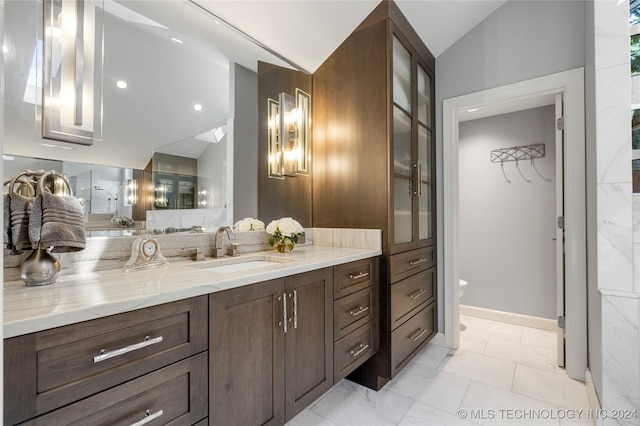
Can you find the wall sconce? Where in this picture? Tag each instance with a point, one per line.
(289, 125)
(161, 198)
(132, 191)
(72, 102)
(202, 197)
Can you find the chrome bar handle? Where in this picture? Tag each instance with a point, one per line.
(79, 71)
(355, 352)
(417, 262)
(419, 179)
(284, 311)
(421, 332)
(104, 355)
(358, 311)
(148, 417)
(295, 309)
(418, 293)
(359, 275)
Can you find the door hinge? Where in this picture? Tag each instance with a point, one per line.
(560, 123)
(561, 322)
(561, 222)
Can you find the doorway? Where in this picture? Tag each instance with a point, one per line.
(570, 86)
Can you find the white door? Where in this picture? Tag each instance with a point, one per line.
(560, 225)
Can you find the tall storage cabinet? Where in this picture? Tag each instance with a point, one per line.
(373, 159)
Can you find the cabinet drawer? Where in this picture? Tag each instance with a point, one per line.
(75, 361)
(176, 394)
(354, 349)
(404, 265)
(410, 336)
(353, 311)
(354, 276)
(410, 295)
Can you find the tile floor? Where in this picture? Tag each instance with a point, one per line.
(502, 374)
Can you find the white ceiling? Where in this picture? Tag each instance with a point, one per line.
(308, 31)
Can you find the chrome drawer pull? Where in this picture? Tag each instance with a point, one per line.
(359, 275)
(359, 310)
(417, 262)
(284, 311)
(295, 309)
(148, 341)
(421, 333)
(148, 417)
(355, 352)
(418, 293)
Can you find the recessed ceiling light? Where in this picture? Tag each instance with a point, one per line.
(197, 107)
(5, 49)
(121, 84)
(177, 40)
(473, 110)
(216, 21)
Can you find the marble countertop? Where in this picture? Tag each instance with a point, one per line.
(85, 296)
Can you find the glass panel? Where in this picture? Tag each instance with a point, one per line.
(401, 75)
(424, 153)
(424, 97)
(401, 142)
(402, 222)
(424, 215)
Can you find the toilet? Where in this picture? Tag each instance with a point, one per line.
(463, 286)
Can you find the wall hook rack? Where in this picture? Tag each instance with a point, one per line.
(518, 153)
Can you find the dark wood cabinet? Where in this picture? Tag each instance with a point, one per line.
(271, 349)
(373, 160)
(53, 368)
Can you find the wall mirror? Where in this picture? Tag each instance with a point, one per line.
(166, 89)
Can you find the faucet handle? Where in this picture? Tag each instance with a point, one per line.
(234, 249)
(197, 254)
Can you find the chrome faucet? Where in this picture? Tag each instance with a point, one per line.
(218, 250)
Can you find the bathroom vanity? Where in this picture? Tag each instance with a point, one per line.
(191, 342)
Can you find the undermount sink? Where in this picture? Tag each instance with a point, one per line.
(243, 263)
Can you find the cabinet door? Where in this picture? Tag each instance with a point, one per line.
(413, 194)
(246, 343)
(309, 338)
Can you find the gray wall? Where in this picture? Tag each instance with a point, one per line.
(245, 144)
(506, 249)
(519, 41)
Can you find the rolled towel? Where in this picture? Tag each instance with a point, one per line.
(58, 222)
(20, 208)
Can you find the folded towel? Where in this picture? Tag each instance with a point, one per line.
(20, 208)
(58, 222)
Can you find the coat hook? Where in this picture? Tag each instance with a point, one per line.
(503, 172)
(533, 164)
(518, 167)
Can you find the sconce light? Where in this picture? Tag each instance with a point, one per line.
(202, 197)
(132, 191)
(161, 199)
(72, 102)
(289, 126)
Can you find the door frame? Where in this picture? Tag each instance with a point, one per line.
(571, 85)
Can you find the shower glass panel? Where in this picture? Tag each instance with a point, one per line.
(401, 75)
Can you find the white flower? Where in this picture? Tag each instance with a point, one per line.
(285, 226)
(249, 224)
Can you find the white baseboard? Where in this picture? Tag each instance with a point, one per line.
(508, 317)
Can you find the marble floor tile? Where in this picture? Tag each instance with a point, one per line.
(537, 337)
(349, 404)
(309, 418)
(431, 356)
(474, 340)
(533, 356)
(552, 387)
(430, 386)
(480, 368)
(422, 414)
(491, 328)
(489, 405)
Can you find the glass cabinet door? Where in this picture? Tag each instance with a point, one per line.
(412, 150)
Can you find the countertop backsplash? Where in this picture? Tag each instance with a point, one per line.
(105, 253)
